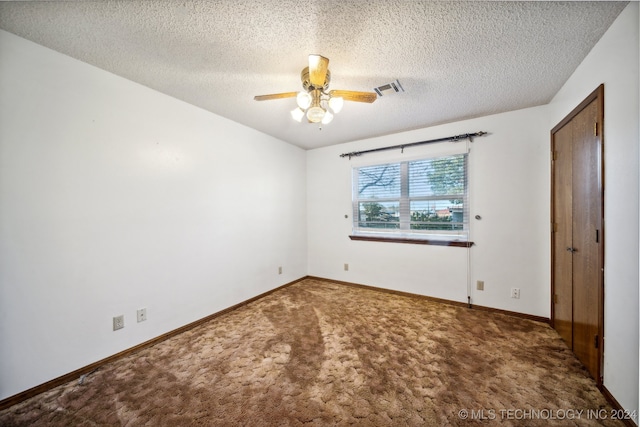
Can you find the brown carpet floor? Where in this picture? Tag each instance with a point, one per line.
(321, 353)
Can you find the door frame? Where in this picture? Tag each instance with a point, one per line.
(598, 94)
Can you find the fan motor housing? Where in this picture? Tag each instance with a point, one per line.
(306, 83)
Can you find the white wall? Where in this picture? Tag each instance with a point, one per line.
(614, 62)
(508, 188)
(115, 197)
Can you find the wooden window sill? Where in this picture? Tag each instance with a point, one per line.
(455, 243)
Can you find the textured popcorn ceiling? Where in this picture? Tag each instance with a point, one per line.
(455, 60)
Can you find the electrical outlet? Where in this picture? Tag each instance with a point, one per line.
(346, 267)
(515, 293)
(480, 285)
(279, 270)
(142, 315)
(118, 322)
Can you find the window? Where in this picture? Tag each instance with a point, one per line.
(419, 199)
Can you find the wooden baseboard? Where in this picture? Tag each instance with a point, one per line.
(439, 300)
(20, 397)
(626, 418)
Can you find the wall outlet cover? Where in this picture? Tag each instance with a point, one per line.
(118, 322)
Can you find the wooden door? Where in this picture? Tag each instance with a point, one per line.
(577, 238)
(563, 230)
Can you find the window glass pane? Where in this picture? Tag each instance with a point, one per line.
(440, 176)
(422, 199)
(437, 214)
(379, 215)
(379, 182)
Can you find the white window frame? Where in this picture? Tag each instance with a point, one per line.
(404, 230)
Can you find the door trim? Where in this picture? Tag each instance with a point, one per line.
(598, 94)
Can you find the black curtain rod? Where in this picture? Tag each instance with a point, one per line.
(468, 136)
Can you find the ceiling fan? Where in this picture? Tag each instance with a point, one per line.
(316, 101)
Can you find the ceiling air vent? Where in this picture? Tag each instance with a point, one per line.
(389, 88)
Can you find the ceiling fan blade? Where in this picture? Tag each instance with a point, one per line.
(318, 66)
(275, 96)
(351, 95)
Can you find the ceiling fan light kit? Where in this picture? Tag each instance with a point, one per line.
(336, 103)
(316, 105)
(316, 102)
(304, 100)
(315, 114)
(297, 114)
(326, 119)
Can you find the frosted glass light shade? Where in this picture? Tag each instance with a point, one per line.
(297, 114)
(336, 104)
(304, 100)
(327, 118)
(315, 114)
